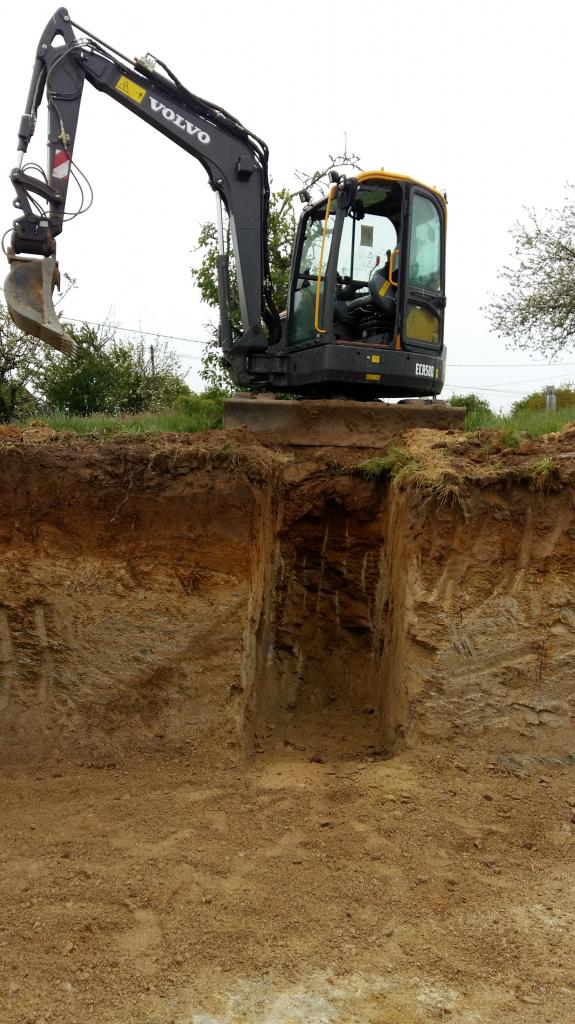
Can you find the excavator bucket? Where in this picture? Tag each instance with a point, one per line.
(28, 292)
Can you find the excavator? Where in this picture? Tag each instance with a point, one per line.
(366, 299)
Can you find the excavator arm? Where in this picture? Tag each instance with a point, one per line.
(235, 160)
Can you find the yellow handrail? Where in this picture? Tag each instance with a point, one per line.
(390, 268)
(320, 330)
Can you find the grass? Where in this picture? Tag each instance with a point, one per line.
(400, 466)
(391, 464)
(543, 475)
(535, 423)
(198, 412)
(144, 423)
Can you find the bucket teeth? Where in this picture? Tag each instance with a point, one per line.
(28, 292)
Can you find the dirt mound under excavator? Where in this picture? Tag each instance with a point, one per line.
(336, 423)
(287, 735)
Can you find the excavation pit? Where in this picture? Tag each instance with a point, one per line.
(208, 652)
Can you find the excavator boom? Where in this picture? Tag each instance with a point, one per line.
(234, 158)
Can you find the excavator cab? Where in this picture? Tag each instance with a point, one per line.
(368, 284)
(367, 294)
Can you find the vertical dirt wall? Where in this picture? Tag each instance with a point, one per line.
(397, 620)
(128, 589)
(490, 621)
(172, 596)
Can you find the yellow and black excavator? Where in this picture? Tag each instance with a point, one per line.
(365, 309)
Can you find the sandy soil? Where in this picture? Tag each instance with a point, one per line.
(340, 889)
(207, 648)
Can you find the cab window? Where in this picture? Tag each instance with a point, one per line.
(425, 245)
(306, 283)
(369, 233)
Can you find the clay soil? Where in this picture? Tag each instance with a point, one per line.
(284, 744)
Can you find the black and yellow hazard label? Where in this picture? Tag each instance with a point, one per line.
(376, 359)
(131, 89)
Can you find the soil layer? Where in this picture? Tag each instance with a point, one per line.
(286, 738)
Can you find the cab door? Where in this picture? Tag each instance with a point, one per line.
(422, 281)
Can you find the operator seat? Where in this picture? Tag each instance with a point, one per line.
(383, 292)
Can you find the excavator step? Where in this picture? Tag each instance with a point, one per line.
(339, 423)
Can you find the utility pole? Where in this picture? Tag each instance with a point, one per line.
(152, 359)
(550, 398)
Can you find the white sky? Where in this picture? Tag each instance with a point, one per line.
(473, 97)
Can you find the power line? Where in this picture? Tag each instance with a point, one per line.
(529, 380)
(500, 385)
(456, 366)
(497, 391)
(200, 341)
(513, 366)
(135, 330)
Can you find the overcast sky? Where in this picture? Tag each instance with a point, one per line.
(475, 98)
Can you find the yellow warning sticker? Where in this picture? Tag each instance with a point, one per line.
(135, 92)
(437, 373)
(373, 376)
(376, 359)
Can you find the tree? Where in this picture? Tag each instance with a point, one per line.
(20, 358)
(564, 395)
(110, 376)
(471, 403)
(281, 233)
(537, 309)
(282, 224)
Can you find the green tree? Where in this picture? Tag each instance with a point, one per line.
(537, 308)
(471, 403)
(565, 396)
(110, 375)
(20, 359)
(282, 226)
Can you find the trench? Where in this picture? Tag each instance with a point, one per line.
(329, 679)
(219, 612)
(386, 624)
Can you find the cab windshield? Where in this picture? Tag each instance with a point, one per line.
(370, 234)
